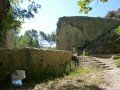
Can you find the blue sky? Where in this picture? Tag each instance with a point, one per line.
(52, 10)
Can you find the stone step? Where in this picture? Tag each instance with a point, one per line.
(95, 60)
(105, 66)
(109, 68)
(116, 57)
(102, 64)
(98, 62)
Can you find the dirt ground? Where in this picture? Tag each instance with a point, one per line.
(111, 76)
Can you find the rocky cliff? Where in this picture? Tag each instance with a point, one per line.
(79, 32)
(109, 44)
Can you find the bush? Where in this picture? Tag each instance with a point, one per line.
(118, 62)
(117, 31)
(85, 53)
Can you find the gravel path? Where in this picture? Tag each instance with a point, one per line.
(112, 76)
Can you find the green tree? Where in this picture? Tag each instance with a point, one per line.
(51, 38)
(42, 35)
(117, 31)
(16, 36)
(22, 41)
(85, 5)
(11, 14)
(34, 39)
(4, 7)
(29, 39)
(42, 38)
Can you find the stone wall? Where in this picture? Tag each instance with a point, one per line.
(38, 64)
(78, 32)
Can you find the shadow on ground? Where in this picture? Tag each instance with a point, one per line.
(73, 87)
(52, 87)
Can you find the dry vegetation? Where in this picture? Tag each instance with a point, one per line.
(81, 79)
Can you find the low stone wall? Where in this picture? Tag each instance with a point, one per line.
(38, 64)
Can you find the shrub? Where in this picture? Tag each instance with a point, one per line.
(117, 31)
(118, 62)
(85, 53)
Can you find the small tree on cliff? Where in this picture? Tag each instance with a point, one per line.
(85, 5)
(113, 14)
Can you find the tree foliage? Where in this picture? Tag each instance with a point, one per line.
(29, 39)
(43, 35)
(4, 7)
(85, 5)
(15, 14)
(51, 38)
(17, 2)
(32, 38)
(28, 13)
(9, 22)
(21, 41)
(117, 31)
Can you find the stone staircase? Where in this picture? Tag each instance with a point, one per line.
(94, 62)
(102, 63)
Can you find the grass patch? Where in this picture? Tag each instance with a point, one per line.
(84, 71)
(97, 81)
(90, 76)
(118, 62)
(80, 71)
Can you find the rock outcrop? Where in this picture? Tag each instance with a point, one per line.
(80, 32)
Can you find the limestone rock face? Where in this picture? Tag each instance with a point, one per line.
(113, 14)
(79, 32)
(109, 44)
